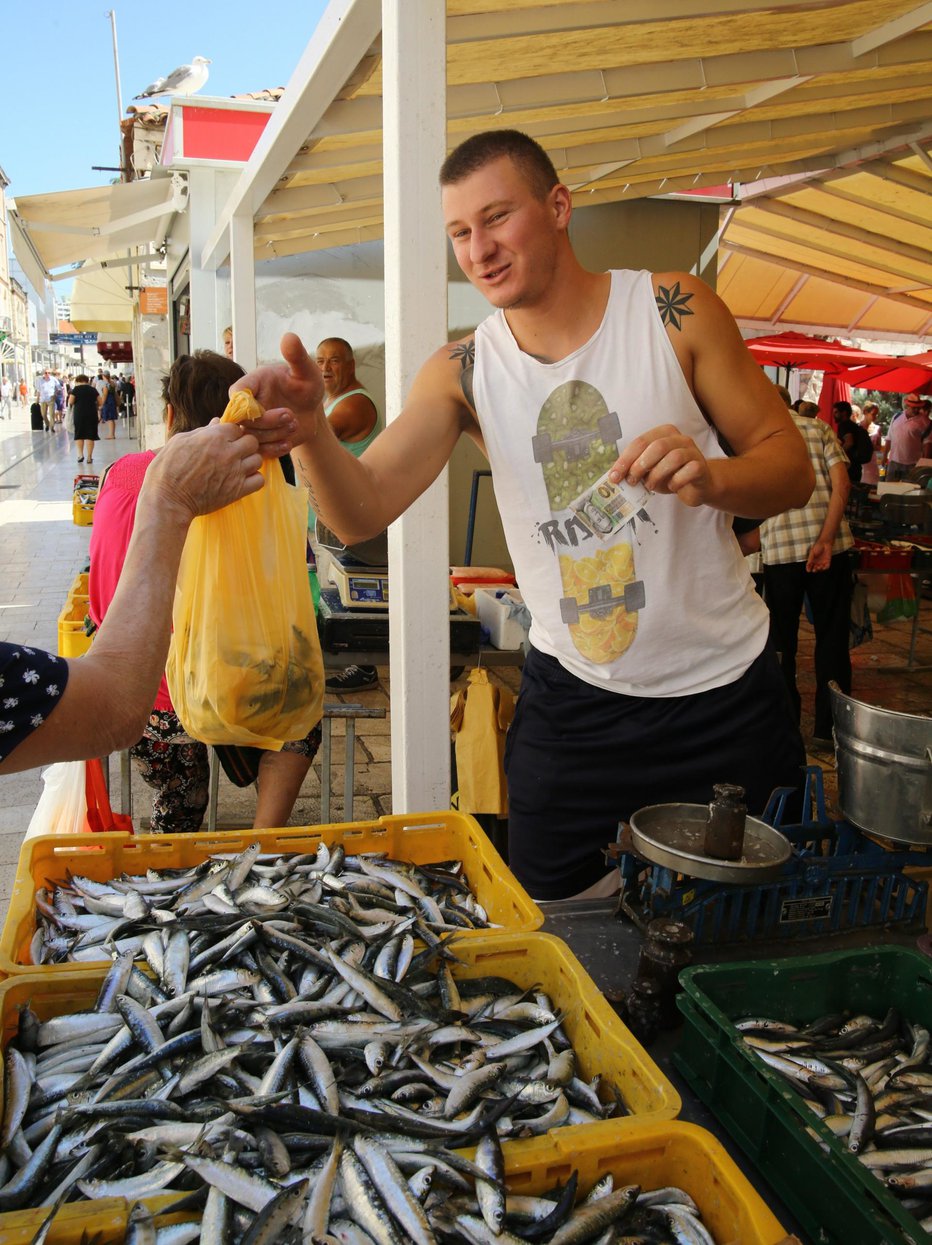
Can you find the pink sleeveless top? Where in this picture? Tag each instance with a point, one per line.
(114, 516)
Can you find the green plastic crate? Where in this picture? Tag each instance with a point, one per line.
(836, 1200)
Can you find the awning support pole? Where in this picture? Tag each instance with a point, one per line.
(243, 290)
(414, 145)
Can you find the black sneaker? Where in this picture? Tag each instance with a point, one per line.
(353, 679)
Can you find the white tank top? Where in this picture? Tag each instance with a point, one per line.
(661, 606)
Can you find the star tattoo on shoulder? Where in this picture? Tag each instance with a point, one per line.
(466, 353)
(672, 305)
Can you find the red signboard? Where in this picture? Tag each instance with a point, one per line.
(220, 133)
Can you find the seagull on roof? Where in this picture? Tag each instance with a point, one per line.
(184, 80)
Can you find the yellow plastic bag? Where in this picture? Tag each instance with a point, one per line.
(244, 666)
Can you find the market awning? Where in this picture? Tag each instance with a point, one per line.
(101, 303)
(101, 223)
(630, 102)
(847, 248)
(115, 350)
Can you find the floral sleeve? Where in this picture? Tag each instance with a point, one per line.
(31, 685)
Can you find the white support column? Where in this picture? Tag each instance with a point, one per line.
(208, 190)
(243, 290)
(205, 332)
(414, 145)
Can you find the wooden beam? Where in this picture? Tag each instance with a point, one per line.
(825, 274)
(890, 31)
(836, 228)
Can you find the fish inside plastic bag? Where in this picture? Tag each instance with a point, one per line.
(244, 666)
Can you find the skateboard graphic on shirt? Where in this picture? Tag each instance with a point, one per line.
(576, 443)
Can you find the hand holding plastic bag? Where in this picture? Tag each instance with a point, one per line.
(244, 666)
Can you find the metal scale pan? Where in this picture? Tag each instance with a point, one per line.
(672, 835)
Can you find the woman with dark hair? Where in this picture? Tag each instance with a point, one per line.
(169, 760)
(85, 402)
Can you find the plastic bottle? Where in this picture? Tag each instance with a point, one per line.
(315, 586)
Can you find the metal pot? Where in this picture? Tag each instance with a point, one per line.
(884, 763)
(906, 509)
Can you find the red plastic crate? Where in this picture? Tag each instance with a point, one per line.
(873, 556)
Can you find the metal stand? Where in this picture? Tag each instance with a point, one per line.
(348, 712)
(471, 521)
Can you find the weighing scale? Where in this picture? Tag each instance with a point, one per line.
(355, 630)
(818, 877)
(359, 586)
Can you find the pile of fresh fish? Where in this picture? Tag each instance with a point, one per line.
(277, 1042)
(869, 1079)
(359, 1195)
(84, 920)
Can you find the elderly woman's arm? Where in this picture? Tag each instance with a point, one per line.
(111, 689)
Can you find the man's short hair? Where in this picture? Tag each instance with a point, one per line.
(527, 156)
(337, 341)
(843, 409)
(198, 388)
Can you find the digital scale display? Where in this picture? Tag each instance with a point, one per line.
(367, 589)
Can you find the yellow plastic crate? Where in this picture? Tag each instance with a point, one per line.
(82, 513)
(651, 1155)
(649, 1148)
(423, 838)
(72, 640)
(603, 1044)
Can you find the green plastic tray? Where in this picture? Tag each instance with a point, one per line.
(836, 1200)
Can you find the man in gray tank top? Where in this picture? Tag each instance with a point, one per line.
(605, 723)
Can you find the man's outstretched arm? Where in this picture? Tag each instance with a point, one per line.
(358, 497)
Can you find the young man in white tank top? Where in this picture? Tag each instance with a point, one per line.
(650, 677)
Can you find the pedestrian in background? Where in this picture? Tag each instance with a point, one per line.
(6, 397)
(108, 410)
(45, 392)
(805, 554)
(84, 400)
(354, 418)
(908, 429)
(870, 472)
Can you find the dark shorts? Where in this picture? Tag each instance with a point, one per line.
(580, 759)
(241, 764)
